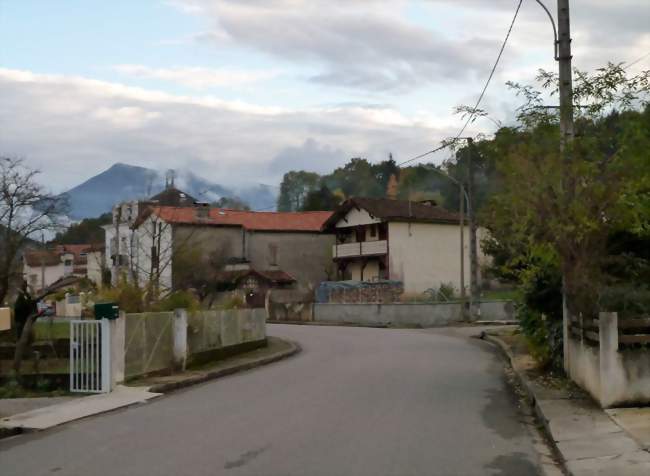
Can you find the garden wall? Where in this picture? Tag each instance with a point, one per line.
(610, 359)
(408, 315)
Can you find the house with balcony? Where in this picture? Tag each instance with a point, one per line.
(416, 243)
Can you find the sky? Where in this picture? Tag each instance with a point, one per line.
(242, 91)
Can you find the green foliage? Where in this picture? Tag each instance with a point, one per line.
(88, 230)
(128, 296)
(234, 302)
(321, 199)
(294, 189)
(177, 300)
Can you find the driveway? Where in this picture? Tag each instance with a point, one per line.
(356, 401)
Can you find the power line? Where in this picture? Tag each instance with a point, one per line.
(482, 95)
(638, 60)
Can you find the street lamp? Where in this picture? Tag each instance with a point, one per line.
(464, 198)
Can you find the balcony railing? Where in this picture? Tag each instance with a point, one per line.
(364, 248)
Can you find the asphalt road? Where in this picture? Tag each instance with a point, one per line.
(354, 402)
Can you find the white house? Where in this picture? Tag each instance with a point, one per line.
(417, 243)
(42, 267)
(119, 237)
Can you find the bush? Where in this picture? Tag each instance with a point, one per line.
(177, 300)
(129, 297)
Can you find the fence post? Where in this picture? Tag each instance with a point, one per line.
(610, 379)
(180, 339)
(117, 348)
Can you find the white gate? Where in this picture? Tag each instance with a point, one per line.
(90, 360)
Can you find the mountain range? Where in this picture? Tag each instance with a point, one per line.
(123, 182)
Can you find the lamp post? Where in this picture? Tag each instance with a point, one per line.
(563, 57)
(464, 199)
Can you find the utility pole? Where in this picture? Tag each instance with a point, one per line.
(463, 312)
(43, 263)
(565, 76)
(566, 133)
(117, 218)
(473, 248)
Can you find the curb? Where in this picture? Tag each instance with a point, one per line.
(530, 394)
(328, 324)
(195, 380)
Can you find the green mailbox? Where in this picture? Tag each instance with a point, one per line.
(107, 310)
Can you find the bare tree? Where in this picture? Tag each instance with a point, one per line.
(26, 211)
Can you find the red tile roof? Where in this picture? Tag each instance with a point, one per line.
(260, 221)
(52, 256)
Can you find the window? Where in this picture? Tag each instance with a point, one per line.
(33, 278)
(273, 254)
(250, 283)
(67, 262)
(373, 231)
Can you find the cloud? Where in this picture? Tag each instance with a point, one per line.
(311, 156)
(72, 127)
(363, 45)
(196, 77)
(379, 46)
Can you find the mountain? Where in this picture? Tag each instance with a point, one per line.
(123, 182)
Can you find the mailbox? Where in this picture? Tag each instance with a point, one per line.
(107, 310)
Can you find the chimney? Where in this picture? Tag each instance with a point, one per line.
(202, 210)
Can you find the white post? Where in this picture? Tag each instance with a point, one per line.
(610, 378)
(106, 355)
(117, 349)
(180, 339)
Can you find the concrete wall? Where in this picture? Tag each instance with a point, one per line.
(33, 275)
(614, 375)
(305, 256)
(289, 305)
(422, 315)
(164, 341)
(426, 255)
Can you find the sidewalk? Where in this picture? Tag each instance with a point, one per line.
(74, 408)
(589, 440)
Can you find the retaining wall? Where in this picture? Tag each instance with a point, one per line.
(405, 314)
(614, 373)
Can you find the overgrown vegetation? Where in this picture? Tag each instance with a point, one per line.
(584, 216)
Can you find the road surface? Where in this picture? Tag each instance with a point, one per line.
(355, 401)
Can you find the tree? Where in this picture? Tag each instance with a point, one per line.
(294, 189)
(88, 230)
(570, 206)
(26, 212)
(321, 199)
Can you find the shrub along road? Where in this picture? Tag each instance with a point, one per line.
(354, 401)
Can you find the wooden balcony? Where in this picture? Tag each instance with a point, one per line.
(364, 248)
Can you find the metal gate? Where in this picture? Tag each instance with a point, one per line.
(90, 358)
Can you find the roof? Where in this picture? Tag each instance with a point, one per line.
(173, 197)
(35, 258)
(52, 256)
(395, 210)
(258, 221)
(274, 276)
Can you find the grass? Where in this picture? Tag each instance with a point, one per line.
(500, 294)
(46, 330)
